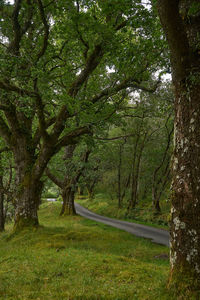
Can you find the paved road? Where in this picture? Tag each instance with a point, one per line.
(158, 236)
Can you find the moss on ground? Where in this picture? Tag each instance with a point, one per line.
(74, 258)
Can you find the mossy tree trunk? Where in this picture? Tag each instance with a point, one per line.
(29, 169)
(90, 190)
(181, 23)
(27, 203)
(70, 182)
(68, 208)
(28, 192)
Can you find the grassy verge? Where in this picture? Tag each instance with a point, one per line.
(141, 214)
(74, 258)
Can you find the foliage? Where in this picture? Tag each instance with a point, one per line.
(137, 147)
(66, 68)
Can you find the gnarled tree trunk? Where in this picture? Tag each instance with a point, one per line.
(29, 169)
(27, 203)
(181, 23)
(68, 207)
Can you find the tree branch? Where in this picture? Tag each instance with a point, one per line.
(27, 24)
(114, 138)
(107, 92)
(46, 30)
(91, 65)
(15, 43)
(37, 134)
(141, 87)
(71, 138)
(54, 178)
(40, 113)
(5, 85)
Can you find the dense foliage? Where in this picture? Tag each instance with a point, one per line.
(66, 67)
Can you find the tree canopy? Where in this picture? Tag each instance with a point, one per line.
(65, 68)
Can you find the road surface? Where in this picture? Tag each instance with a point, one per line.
(159, 236)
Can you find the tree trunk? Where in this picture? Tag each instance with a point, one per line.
(90, 191)
(2, 218)
(136, 172)
(119, 177)
(182, 26)
(68, 208)
(27, 203)
(156, 200)
(157, 209)
(131, 204)
(161, 177)
(127, 184)
(29, 170)
(161, 184)
(185, 224)
(80, 191)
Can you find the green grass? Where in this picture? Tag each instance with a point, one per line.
(142, 214)
(73, 258)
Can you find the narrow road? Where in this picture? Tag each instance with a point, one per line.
(158, 236)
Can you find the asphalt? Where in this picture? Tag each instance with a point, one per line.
(156, 235)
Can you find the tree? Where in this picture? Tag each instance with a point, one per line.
(181, 23)
(137, 146)
(2, 217)
(72, 169)
(161, 173)
(6, 176)
(55, 57)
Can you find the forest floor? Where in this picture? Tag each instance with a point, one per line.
(72, 258)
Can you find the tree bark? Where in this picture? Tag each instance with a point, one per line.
(68, 208)
(119, 177)
(90, 191)
(160, 179)
(182, 26)
(27, 203)
(29, 169)
(136, 171)
(131, 201)
(119, 167)
(80, 191)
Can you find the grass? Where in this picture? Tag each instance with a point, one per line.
(142, 214)
(73, 258)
